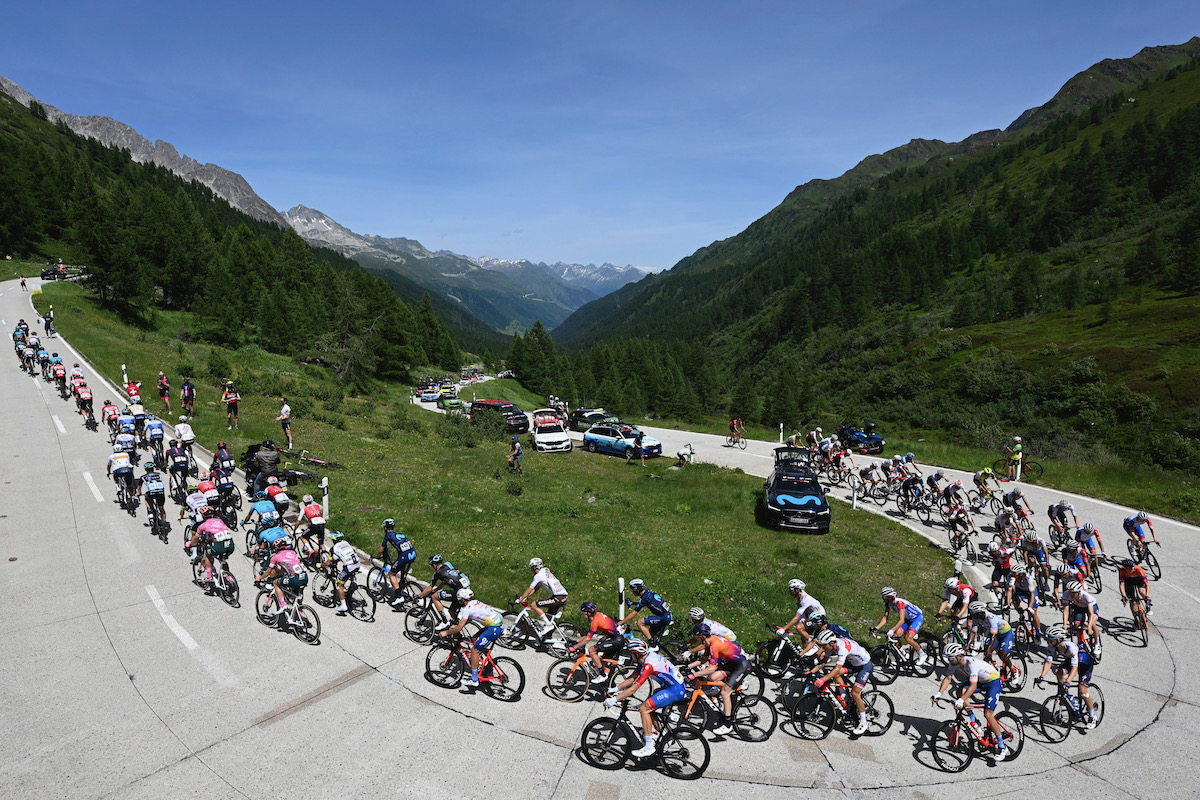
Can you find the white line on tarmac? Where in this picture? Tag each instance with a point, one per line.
(207, 659)
(58, 422)
(87, 476)
(129, 553)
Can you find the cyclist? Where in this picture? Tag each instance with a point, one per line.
(401, 563)
(848, 658)
(806, 607)
(177, 462)
(958, 517)
(1074, 664)
(974, 675)
(814, 436)
(152, 484)
(60, 374)
(185, 434)
(842, 461)
(278, 495)
(125, 422)
(224, 480)
(1137, 525)
(139, 418)
(542, 576)
(1134, 583)
(958, 597)
(1063, 576)
(155, 431)
(999, 632)
(736, 429)
(310, 515)
(952, 495)
(490, 619)
(83, 398)
(698, 617)
(76, 371)
(268, 517)
(284, 569)
(659, 618)
(1025, 596)
(1013, 499)
(818, 623)
(1006, 525)
(223, 458)
(108, 414)
(728, 664)
(125, 442)
(445, 585)
(910, 488)
(347, 556)
(910, 464)
(195, 503)
(1080, 605)
(217, 540)
(1015, 455)
(909, 620)
(1001, 567)
(515, 456)
(669, 685)
(1090, 539)
(933, 480)
(1037, 555)
(120, 469)
(602, 639)
(1058, 516)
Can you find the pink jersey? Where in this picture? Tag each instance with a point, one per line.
(288, 561)
(211, 527)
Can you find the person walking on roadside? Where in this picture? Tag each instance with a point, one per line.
(231, 398)
(22, 284)
(285, 419)
(187, 396)
(637, 451)
(515, 456)
(164, 392)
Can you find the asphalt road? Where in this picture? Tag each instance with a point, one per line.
(122, 679)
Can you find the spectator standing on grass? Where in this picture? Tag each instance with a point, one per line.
(230, 398)
(515, 456)
(285, 419)
(164, 392)
(187, 396)
(637, 452)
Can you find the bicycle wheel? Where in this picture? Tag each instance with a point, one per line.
(1013, 732)
(230, 592)
(1097, 703)
(360, 603)
(444, 666)
(996, 504)
(264, 608)
(924, 510)
(517, 634)
(952, 746)
(964, 548)
(684, 753)
(923, 667)
(324, 591)
(251, 542)
(1055, 719)
(568, 634)
(854, 483)
(1095, 580)
(754, 719)
(378, 586)
(308, 625)
(741, 442)
(567, 680)
(198, 572)
(881, 712)
(887, 665)
(729, 441)
(752, 685)
(880, 494)
(506, 678)
(1152, 567)
(1031, 471)
(1014, 679)
(606, 743)
(1135, 552)
(420, 627)
(773, 658)
(813, 717)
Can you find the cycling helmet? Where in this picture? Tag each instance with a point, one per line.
(108, 402)
(208, 512)
(125, 411)
(1056, 632)
(909, 456)
(994, 547)
(937, 476)
(148, 416)
(1141, 516)
(817, 621)
(1018, 569)
(888, 593)
(1088, 527)
(464, 594)
(826, 637)
(55, 355)
(389, 523)
(272, 481)
(1075, 587)
(1031, 536)
(1127, 563)
(988, 471)
(796, 585)
(436, 560)
(697, 614)
(1017, 493)
(1073, 547)
(638, 647)
(588, 608)
(958, 482)
(77, 363)
(282, 544)
(514, 439)
(149, 465)
(183, 417)
(953, 650)
(702, 631)
(951, 583)
(818, 429)
(1017, 439)
(637, 585)
(336, 536)
(1064, 570)
(220, 445)
(308, 498)
(82, 384)
(977, 609)
(535, 563)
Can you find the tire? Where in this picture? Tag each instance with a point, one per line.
(261, 605)
(742, 442)
(605, 743)
(251, 542)
(231, 593)
(813, 717)
(1014, 740)
(854, 482)
(1152, 566)
(1031, 471)
(509, 681)
(765, 658)
(419, 627)
(881, 712)
(685, 753)
(1015, 683)
(590, 446)
(324, 590)
(995, 504)
(924, 511)
(360, 603)
(1001, 468)
(1095, 578)
(754, 719)
(752, 685)
(1054, 721)
(887, 665)
(952, 746)
(880, 494)
(198, 572)
(1097, 703)
(309, 628)
(567, 682)
(444, 667)
(557, 648)
(517, 636)
(378, 586)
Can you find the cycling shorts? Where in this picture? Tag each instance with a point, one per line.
(609, 644)
(488, 635)
(398, 567)
(735, 672)
(665, 697)
(221, 549)
(657, 623)
(1025, 597)
(861, 674)
(295, 582)
(1040, 555)
(913, 626)
(992, 691)
(345, 573)
(552, 604)
(1133, 588)
(1000, 574)
(1089, 543)
(1085, 673)
(178, 467)
(1004, 642)
(123, 473)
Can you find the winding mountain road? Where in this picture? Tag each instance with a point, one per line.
(122, 679)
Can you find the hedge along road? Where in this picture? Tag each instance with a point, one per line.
(122, 679)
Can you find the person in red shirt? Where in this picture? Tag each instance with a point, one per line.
(231, 398)
(133, 389)
(1134, 582)
(602, 629)
(164, 391)
(278, 495)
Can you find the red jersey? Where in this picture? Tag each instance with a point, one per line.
(603, 624)
(274, 490)
(85, 393)
(204, 487)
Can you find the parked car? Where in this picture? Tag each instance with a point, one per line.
(583, 418)
(618, 439)
(54, 274)
(449, 402)
(793, 498)
(508, 373)
(515, 420)
(548, 434)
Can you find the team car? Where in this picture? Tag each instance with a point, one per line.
(793, 498)
(583, 418)
(429, 394)
(619, 439)
(548, 434)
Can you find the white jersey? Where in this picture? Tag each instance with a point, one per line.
(195, 501)
(851, 653)
(808, 606)
(720, 630)
(482, 613)
(982, 671)
(345, 553)
(184, 432)
(544, 577)
(119, 461)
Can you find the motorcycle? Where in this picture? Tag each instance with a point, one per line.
(862, 441)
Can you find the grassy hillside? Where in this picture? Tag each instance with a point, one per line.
(689, 533)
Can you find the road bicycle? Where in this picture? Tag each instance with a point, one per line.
(224, 584)
(895, 657)
(303, 457)
(958, 741)
(753, 717)
(1140, 552)
(359, 602)
(1056, 537)
(89, 421)
(1030, 470)
(158, 525)
(448, 661)
(962, 544)
(989, 498)
(777, 657)
(302, 620)
(921, 503)
(1014, 677)
(1140, 607)
(680, 749)
(1025, 633)
(1093, 645)
(1062, 712)
(379, 584)
(735, 440)
(125, 497)
(569, 679)
(818, 711)
(521, 632)
(157, 453)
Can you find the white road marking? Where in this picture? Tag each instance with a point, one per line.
(58, 422)
(120, 535)
(87, 476)
(206, 659)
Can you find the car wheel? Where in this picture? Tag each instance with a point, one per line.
(590, 446)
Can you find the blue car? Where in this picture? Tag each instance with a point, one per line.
(619, 439)
(793, 498)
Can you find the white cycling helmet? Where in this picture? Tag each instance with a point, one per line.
(696, 614)
(1056, 632)
(795, 584)
(272, 481)
(183, 417)
(308, 498)
(953, 650)
(1017, 439)
(888, 593)
(535, 563)
(951, 583)
(977, 609)
(826, 637)
(464, 594)
(1075, 587)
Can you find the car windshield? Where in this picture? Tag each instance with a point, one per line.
(549, 427)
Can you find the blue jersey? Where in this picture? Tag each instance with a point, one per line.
(654, 602)
(154, 428)
(405, 552)
(55, 359)
(265, 509)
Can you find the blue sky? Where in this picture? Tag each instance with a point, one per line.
(566, 131)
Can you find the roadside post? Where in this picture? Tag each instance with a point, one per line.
(781, 433)
(620, 598)
(325, 497)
